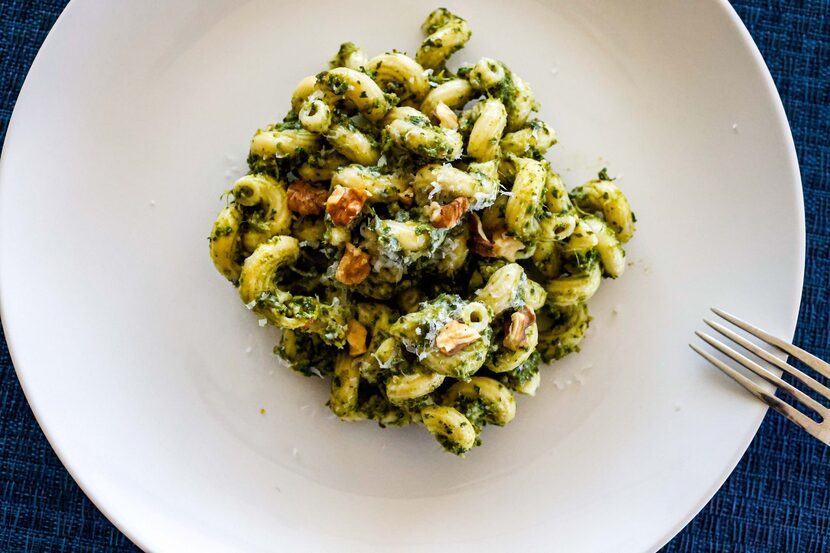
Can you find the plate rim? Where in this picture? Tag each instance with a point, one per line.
(792, 158)
(790, 154)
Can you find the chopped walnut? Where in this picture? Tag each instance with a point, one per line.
(480, 243)
(515, 334)
(356, 337)
(306, 199)
(353, 267)
(506, 246)
(454, 337)
(345, 204)
(447, 118)
(502, 245)
(448, 215)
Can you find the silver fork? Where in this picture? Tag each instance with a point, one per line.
(820, 430)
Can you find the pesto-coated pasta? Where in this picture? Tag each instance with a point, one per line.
(403, 230)
(349, 56)
(352, 143)
(453, 94)
(420, 137)
(532, 141)
(446, 34)
(443, 183)
(268, 196)
(573, 289)
(611, 254)
(603, 197)
(224, 242)
(561, 330)
(483, 143)
(453, 430)
(342, 83)
(381, 186)
(525, 378)
(503, 289)
(321, 167)
(303, 90)
(402, 387)
(344, 387)
(315, 115)
(283, 143)
(400, 75)
(497, 80)
(524, 206)
(483, 400)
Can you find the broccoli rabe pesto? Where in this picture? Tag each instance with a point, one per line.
(404, 230)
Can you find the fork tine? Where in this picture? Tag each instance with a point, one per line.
(788, 411)
(763, 373)
(808, 359)
(770, 358)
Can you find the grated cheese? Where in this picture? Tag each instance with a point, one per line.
(436, 188)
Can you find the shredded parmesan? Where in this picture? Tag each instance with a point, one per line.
(481, 200)
(384, 365)
(436, 188)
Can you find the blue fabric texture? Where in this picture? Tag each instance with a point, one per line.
(778, 498)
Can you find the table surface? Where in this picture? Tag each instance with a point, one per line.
(777, 499)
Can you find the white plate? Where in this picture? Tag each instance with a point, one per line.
(132, 349)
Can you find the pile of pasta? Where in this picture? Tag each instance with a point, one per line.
(404, 230)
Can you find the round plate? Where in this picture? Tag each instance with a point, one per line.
(148, 375)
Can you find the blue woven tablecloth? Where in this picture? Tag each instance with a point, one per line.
(778, 498)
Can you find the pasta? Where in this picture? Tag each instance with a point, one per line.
(402, 228)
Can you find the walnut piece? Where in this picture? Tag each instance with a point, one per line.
(501, 245)
(506, 246)
(480, 243)
(447, 119)
(454, 337)
(345, 204)
(306, 199)
(356, 337)
(353, 267)
(515, 335)
(448, 215)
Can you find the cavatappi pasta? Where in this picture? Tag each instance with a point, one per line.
(404, 230)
